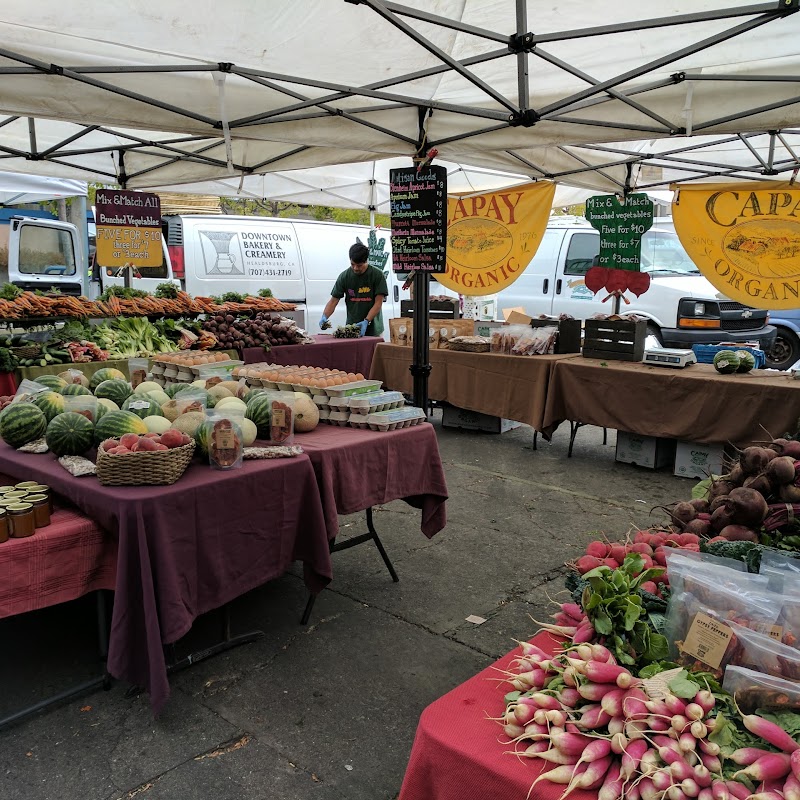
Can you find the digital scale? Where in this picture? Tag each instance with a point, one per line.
(669, 357)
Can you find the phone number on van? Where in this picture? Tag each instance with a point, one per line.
(270, 273)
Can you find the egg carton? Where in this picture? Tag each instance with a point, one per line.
(321, 400)
(394, 419)
(378, 401)
(339, 417)
(226, 365)
(324, 415)
(351, 389)
(339, 403)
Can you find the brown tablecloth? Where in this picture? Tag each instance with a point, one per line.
(191, 547)
(696, 403)
(61, 562)
(513, 387)
(350, 355)
(358, 468)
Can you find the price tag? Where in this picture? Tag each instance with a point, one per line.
(139, 404)
(225, 439)
(138, 376)
(707, 640)
(279, 418)
(776, 632)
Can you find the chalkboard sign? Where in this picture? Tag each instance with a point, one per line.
(621, 227)
(419, 219)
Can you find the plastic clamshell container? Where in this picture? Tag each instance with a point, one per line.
(322, 400)
(339, 417)
(379, 401)
(354, 388)
(396, 418)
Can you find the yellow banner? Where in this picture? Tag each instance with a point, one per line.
(745, 238)
(491, 238)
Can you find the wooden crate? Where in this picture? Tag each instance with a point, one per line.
(617, 340)
(569, 334)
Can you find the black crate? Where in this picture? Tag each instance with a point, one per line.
(617, 340)
(436, 310)
(569, 334)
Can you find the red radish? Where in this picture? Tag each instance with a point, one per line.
(674, 704)
(562, 774)
(686, 742)
(597, 549)
(600, 672)
(568, 697)
(769, 767)
(595, 692)
(649, 586)
(698, 730)
(612, 785)
(617, 552)
(513, 731)
(770, 732)
(681, 771)
(711, 763)
(658, 724)
(586, 563)
(545, 701)
(689, 787)
(535, 749)
(584, 633)
(679, 723)
(702, 775)
(593, 775)
(694, 711)
(558, 718)
(571, 744)
(791, 788)
(647, 791)
(600, 653)
(675, 793)
(610, 563)
(573, 610)
(660, 557)
(616, 725)
(632, 756)
(704, 699)
(737, 790)
(523, 714)
(662, 780)
(766, 796)
(642, 548)
(794, 761)
(612, 702)
(711, 748)
(634, 704)
(619, 741)
(719, 790)
(593, 717)
(555, 756)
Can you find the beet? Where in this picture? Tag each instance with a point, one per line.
(736, 474)
(778, 444)
(789, 493)
(698, 526)
(682, 513)
(759, 483)
(748, 506)
(717, 502)
(738, 533)
(754, 459)
(719, 488)
(704, 516)
(699, 505)
(721, 518)
(780, 470)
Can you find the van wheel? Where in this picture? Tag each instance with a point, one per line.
(785, 351)
(653, 333)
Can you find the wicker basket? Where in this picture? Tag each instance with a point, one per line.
(152, 468)
(27, 351)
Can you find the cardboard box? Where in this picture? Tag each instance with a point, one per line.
(485, 328)
(507, 312)
(453, 417)
(693, 460)
(516, 317)
(644, 451)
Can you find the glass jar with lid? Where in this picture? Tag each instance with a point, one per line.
(23, 522)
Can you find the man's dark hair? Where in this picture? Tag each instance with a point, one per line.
(359, 253)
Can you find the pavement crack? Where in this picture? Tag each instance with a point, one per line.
(226, 747)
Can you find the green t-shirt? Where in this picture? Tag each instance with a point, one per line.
(359, 292)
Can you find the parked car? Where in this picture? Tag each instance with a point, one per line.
(786, 350)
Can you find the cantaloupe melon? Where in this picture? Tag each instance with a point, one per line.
(147, 386)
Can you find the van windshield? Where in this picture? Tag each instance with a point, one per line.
(45, 251)
(663, 253)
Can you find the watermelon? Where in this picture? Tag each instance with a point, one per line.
(202, 436)
(142, 406)
(116, 424)
(51, 403)
(258, 410)
(106, 374)
(75, 390)
(115, 389)
(21, 423)
(174, 388)
(52, 382)
(726, 362)
(747, 361)
(70, 434)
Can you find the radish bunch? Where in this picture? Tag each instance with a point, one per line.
(596, 727)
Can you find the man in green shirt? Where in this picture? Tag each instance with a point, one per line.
(363, 288)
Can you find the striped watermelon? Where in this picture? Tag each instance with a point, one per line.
(142, 406)
(75, 390)
(52, 382)
(115, 424)
(106, 374)
(51, 403)
(202, 436)
(258, 410)
(174, 388)
(69, 434)
(21, 423)
(115, 389)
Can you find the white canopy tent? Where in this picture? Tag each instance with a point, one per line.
(160, 95)
(18, 189)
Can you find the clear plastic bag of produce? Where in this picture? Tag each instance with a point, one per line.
(281, 417)
(782, 571)
(503, 340)
(28, 390)
(536, 341)
(698, 621)
(71, 376)
(763, 650)
(82, 404)
(225, 442)
(754, 691)
(138, 369)
(681, 563)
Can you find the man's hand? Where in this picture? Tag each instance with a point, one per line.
(362, 327)
(324, 324)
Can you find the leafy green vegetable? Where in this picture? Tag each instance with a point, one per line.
(651, 670)
(683, 686)
(232, 297)
(166, 291)
(700, 490)
(788, 720)
(122, 291)
(10, 292)
(265, 293)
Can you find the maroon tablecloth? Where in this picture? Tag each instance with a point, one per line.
(461, 754)
(358, 468)
(350, 355)
(191, 547)
(61, 562)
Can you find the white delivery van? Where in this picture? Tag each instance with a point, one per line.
(298, 260)
(682, 307)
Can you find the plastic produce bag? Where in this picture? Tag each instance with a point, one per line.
(27, 390)
(225, 444)
(686, 562)
(754, 691)
(281, 421)
(72, 376)
(137, 369)
(82, 404)
(782, 571)
(536, 341)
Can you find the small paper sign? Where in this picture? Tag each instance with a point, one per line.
(225, 439)
(139, 404)
(279, 418)
(707, 640)
(776, 632)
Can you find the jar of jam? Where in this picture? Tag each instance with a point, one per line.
(26, 485)
(40, 488)
(41, 509)
(3, 525)
(23, 523)
(18, 494)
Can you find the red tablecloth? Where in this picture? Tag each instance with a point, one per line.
(8, 384)
(61, 562)
(358, 468)
(350, 355)
(459, 754)
(191, 547)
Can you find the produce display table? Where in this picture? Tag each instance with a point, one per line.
(191, 547)
(357, 469)
(696, 403)
(350, 355)
(512, 387)
(67, 559)
(458, 753)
